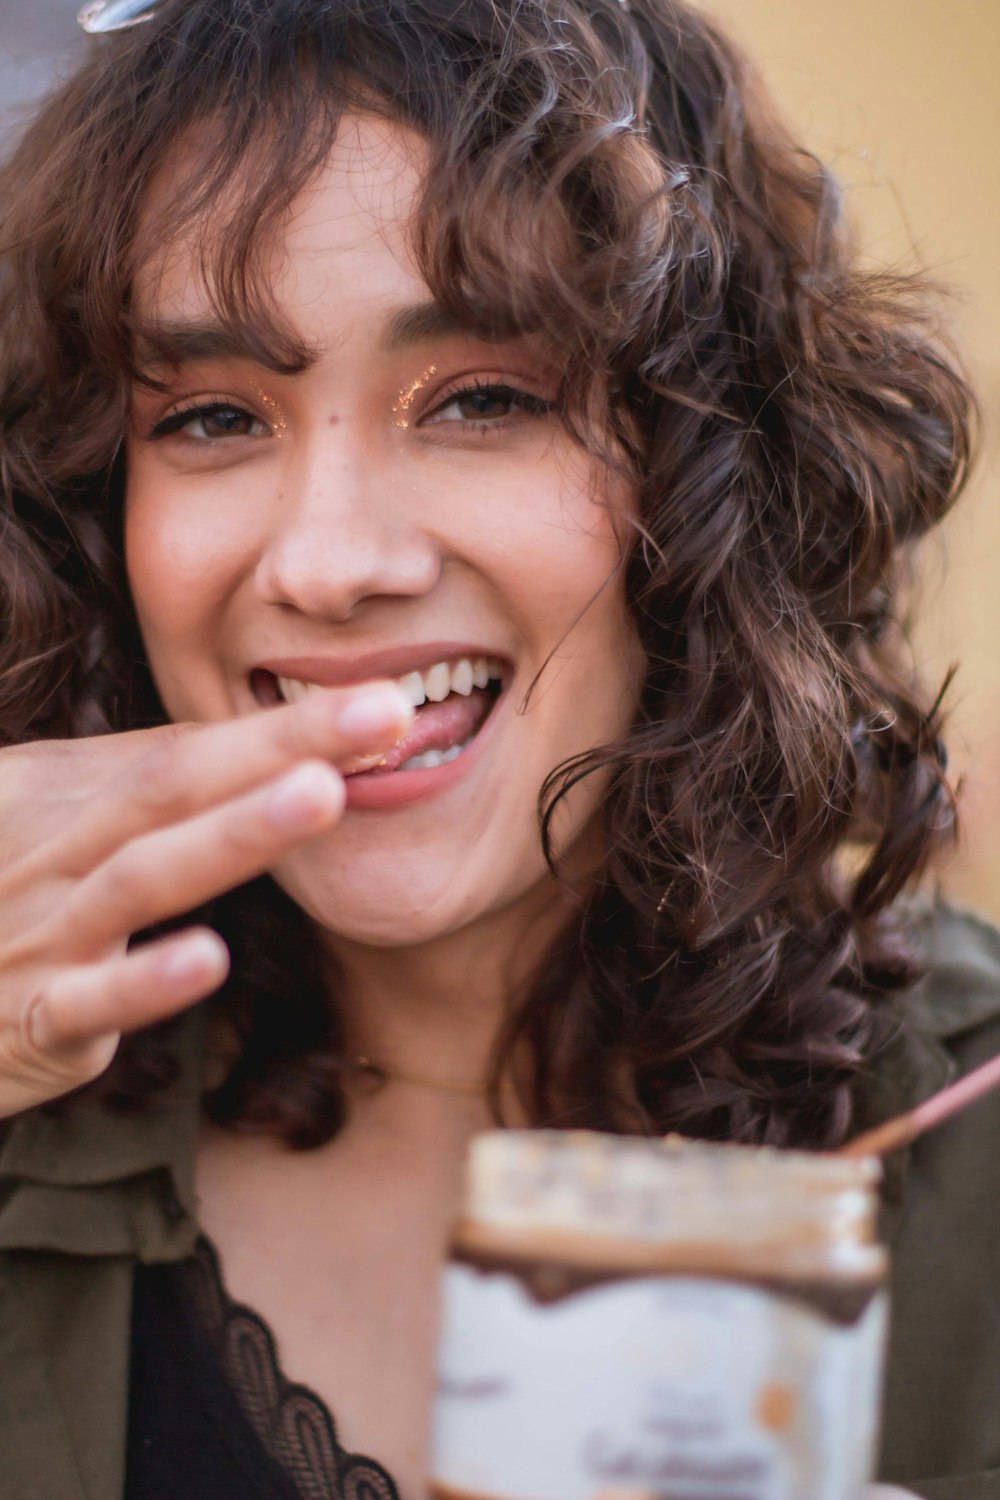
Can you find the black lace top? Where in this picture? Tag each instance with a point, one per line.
(211, 1416)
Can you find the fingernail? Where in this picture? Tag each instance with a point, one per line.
(199, 957)
(375, 715)
(305, 798)
(359, 763)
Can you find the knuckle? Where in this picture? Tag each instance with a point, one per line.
(157, 782)
(28, 947)
(174, 730)
(42, 1026)
(241, 837)
(35, 929)
(43, 1053)
(165, 739)
(128, 882)
(131, 741)
(296, 732)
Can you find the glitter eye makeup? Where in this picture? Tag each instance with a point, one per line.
(404, 401)
(278, 420)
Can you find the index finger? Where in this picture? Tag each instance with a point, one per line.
(195, 771)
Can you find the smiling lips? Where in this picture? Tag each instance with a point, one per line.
(439, 733)
(452, 699)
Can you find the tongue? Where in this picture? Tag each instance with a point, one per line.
(438, 726)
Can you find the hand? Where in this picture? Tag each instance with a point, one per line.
(102, 837)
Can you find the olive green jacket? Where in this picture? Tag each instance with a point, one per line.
(84, 1197)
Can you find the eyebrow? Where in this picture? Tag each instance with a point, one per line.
(420, 324)
(178, 342)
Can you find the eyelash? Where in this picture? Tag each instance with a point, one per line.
(175, 422)
(524, 402)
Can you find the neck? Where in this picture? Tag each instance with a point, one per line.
(434, 1010)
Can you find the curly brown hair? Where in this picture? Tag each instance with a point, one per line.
(608, 176)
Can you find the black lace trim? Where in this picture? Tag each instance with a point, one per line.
(294, 1424)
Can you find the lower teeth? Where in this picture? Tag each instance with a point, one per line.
(431, 758)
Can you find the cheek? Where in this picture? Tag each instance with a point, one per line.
(181, 556)
(551, 536)
(183, 560)
(578, 579)
(560, 550)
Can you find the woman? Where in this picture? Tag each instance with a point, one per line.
(457, 488)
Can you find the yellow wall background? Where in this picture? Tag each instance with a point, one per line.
(902, 99)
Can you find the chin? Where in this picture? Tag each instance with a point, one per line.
(381, 909)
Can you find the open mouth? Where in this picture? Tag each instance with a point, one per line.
(452, 701)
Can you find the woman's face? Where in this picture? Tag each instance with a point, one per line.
(406, 507)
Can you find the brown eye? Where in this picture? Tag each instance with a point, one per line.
(211, 421)
(484, 404)
(492, 401)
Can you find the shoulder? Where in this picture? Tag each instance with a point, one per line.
(89, 1181)
(958, 1000)
(940, 1027)
(941, 1414)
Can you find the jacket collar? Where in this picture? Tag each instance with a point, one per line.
(92, 1182)
(960, 991)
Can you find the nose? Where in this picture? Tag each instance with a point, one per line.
(343, 530)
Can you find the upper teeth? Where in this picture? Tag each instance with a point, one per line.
(432, 685)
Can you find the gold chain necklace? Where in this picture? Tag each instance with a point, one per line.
(362, 1064)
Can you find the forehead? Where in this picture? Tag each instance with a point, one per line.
(344, 241)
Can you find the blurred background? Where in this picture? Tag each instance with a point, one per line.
(901, 97)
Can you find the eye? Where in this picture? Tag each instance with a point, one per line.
(210, 421)
(488, 405)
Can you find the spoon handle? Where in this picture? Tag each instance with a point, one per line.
(940, 1106)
